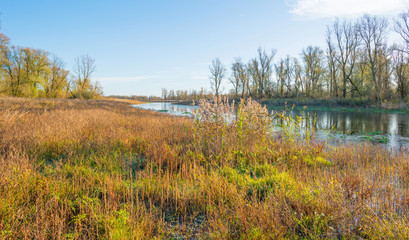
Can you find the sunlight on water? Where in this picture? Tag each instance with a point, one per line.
(173, 109)
(391, 129)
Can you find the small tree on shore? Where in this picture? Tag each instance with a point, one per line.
(83, 87)
(217, 73)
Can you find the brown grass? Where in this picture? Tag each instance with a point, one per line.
(76, 169)
(123, 100)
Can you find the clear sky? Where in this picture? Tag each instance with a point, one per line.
(143, 46)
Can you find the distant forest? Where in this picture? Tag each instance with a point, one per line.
(358, 62)
(28, 72)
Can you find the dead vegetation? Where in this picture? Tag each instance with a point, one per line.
(76, 169)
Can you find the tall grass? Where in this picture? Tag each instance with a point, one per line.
(101, 169)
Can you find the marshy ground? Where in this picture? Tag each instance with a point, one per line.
(77, 169)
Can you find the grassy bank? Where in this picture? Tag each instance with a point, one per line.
(345, 105)
(75, 169)
(338, 105)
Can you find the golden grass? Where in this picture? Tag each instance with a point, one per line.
(77, 169)
(129, 101)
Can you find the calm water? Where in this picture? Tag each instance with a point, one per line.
(174, 109)
(390, 129)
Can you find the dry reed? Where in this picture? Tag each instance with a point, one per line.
(76, 169)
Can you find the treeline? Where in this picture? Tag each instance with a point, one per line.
(191, 94)
(172, 95)
(356, 63)
(28, 72)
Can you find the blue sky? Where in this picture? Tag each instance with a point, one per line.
(143, 46)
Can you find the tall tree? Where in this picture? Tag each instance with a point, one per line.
(401, 73)
(283, 70)
(25, 68)
(261, 70)
(402, 28)
(373, 32)
(235, 79)
(346, 38)
(298, 72)
(313, 65)
(164, 93)
(56, 79)
(332, 65)
(84, 67)
(4, 50)
(217, 73)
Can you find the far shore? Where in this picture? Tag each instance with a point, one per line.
(343, 105)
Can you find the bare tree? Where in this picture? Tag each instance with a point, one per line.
(164, 94)
(332, 65)
(373, 32)
(347, 41)
(313, 66)
(217, 73)
(235, 76)
(240, 77)
(261, 70)
(402, 28)
(56, 79)
(297, 77)
(283, 71)
(401, 73)
(172, 94)
(290, 73)
(84, 67)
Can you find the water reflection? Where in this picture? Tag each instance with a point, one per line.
(331, 126)
(393, 125)
(174, 109)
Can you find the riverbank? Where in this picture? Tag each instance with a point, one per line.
(101, 169)
(340, 105)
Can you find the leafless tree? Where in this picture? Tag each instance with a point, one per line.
(84, 67)
(313, 58)
(332, 65)
(164, 93)
(401, 72)
(261, 70)
(402, 28)
(298, 72)
(284, 70)
(217, 73)
(346, 38)
(56, 79)
(290, 73)
(373, 32)
(172, 94)
(240, 78)
(235, 76)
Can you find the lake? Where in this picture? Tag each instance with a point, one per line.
(390, 129)
(169, 108)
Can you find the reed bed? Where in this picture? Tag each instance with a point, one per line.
(77, 169)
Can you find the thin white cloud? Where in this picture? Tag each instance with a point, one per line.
(345, 8)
